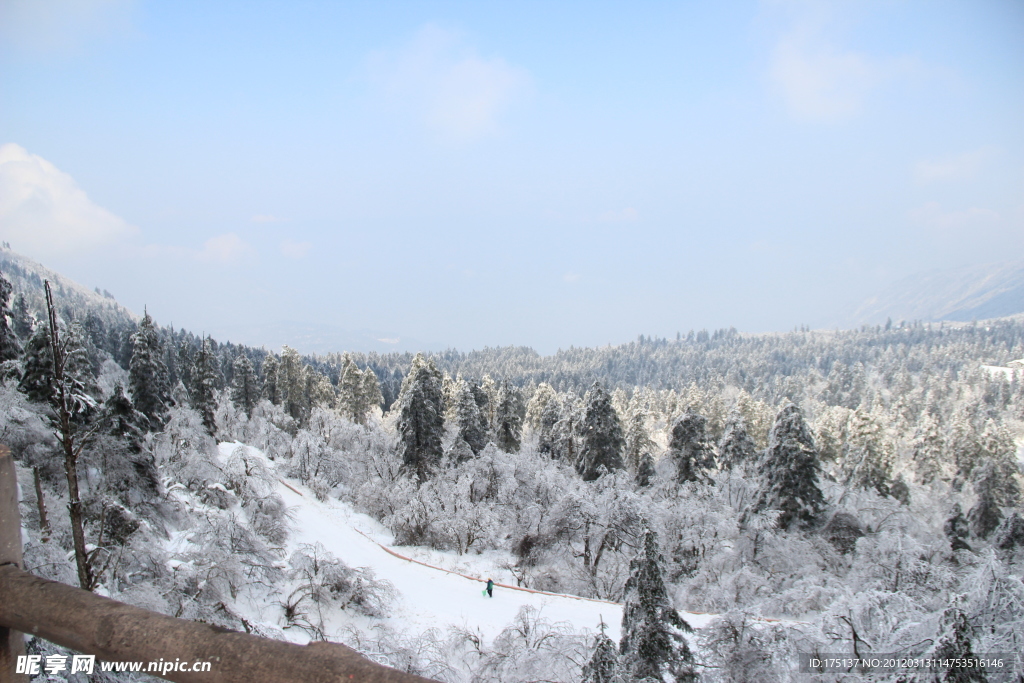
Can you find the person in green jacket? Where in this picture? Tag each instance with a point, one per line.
(490, 588)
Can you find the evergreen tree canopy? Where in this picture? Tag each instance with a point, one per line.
(421, 418)
(603, 662)
(689, 449)
(21, 318)
(207, 379)
(147, 374)
(508, 417)
(270, 389)
(245, 389)
(10, 349)
(652, 644)
(600, 435)
(468, 420)
(790, 471)
(735, 447)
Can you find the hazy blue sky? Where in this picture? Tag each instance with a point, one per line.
(469, 174)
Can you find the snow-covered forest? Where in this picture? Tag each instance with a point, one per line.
(842, 492)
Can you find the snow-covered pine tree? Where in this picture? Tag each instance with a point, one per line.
(689, 449)
(508, 417)
(652, 644)
(372, 396)
(639, 444)
(790, 471)
(601, 440)
(645, 471)
(291, 385)
(957, 529)
(133, 472)
(269, 370)
(21, 318)
(352, 400)
(318, 389)
(927, 450)
(37, 366)
(735, 448)
(10, 348)
(421, 418)
(468, 420)
(538, 403)
(603, 662)
(245, 388)
(867, 461)
(147, 374)
(206, 380)
(956, 644)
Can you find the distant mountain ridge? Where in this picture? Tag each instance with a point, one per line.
(993, 290)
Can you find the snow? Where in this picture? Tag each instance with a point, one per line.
(429, 596)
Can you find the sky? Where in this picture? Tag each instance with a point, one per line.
(465, 174)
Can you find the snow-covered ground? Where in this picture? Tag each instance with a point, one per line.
(429, 596)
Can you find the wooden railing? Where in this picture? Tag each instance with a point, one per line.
(116, 632)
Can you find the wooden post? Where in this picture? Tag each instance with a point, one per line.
(12, 643)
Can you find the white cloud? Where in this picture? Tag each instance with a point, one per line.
(228, 248)
(456, 92)
(295, 250)
(571, 277)
(959, 167)
(43, 211)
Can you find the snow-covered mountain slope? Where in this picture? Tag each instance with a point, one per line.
(427, 596)
(962, 294)
(27, 276)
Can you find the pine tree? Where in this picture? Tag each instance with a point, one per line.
(351, 399)
(537, 405)
(601, 435)
(603, 662)
(957, 529)
(269, 369)
(21, 318)
(128, 425)
(927, 450)
(10, 349)
(207, 379)
(421, 418)
(790, 471)
(37, 366)
(868, 457)
(245, 389)
(639, 444)
(735, 448)
(291, 385)
(508, 417)
(956, 644)
(689, 449)
(548, 417)
(652, 645)
(372, 396)
(467, 418)
(147, 374)
(318, 390)
(645, 471)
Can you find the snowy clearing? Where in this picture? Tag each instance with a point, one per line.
(429, 597)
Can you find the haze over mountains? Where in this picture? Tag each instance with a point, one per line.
(961, 294)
